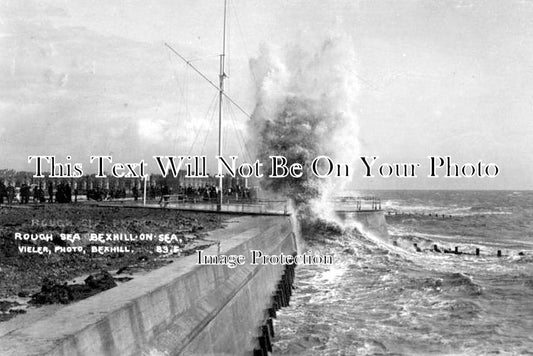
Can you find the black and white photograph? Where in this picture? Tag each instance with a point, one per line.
(245, 177)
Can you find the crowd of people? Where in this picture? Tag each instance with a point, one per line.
(63, 193)
(210, 192)
(100, 194)
(7, 192)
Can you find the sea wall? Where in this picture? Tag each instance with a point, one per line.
(372, 220)
(182, 308)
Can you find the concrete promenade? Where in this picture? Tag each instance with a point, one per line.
(182, 308)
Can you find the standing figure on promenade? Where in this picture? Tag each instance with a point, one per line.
(24, 194)
(36, 193)
(3, 192)
(10, 193)
(68, 193)
(165, 195)
(40, 193)
(50, 192)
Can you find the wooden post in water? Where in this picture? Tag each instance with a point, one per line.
(456, 250)
(477, 251)
(499, 253)
(270, 324)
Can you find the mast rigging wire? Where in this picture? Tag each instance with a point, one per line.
(208, 80)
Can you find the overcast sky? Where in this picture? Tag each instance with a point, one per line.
(435, 78)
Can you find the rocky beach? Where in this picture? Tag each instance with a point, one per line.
(63, 253)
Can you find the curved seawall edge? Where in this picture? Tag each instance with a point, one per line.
(182, 308)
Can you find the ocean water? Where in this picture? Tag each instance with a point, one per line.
(388, 299)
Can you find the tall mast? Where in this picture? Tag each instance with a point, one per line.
(220, 96)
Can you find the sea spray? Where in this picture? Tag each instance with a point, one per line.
(306, 97)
